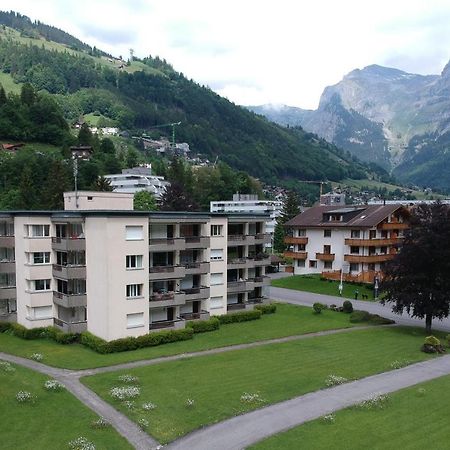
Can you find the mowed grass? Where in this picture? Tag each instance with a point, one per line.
(276, 372)
(313, 283)
(414, 418)
(55, 419)
(287, 321)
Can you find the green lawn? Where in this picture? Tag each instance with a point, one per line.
(55, 419)
(276, 372)
(287, 321)
(313, 283)
(412, 419)
(6, 80)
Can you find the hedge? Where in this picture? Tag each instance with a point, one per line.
(270, 308)
(132, 343)
(364, 316)
(203, 326)
(38, 333)
(240, 316)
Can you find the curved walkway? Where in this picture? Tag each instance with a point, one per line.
(241, 431)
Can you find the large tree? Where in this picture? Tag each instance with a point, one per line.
(418, 278)
(144, 201)
(290, 209)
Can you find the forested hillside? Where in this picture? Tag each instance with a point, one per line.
(148, 92)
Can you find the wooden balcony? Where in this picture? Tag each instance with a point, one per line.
(393, 226)
(368, 258)
(296, 255)
(373, 242)
(325, 256)
(295, 240)
(367, 276)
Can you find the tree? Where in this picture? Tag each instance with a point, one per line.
(107, 146)
(290, 209)
(176, 199)
(102, 184)
(58, 182)
(27, 189)
(417, 279)
(27, 94)
(84, 135)
(144, 201)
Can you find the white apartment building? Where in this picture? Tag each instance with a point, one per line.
(356, 240)
(102, 267)
(247, 203)
(138, 179)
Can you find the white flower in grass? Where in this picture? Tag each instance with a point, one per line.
(6, 367)
(329, 418)
(377, 401)
(53, 385)
(399, 364)
(128, 404)
(101, 422)
(148, 406)
(143, 423)
(190, 403)
(37, 356)
(25, 397)
(334, 380)
(125, 392)
(251, 398)
(81, 443)
(128, 379)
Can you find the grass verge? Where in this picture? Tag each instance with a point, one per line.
(413, 418)
(275, 372)
(52, 421)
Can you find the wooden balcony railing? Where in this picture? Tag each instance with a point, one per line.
(296, 255)
(325, 256)
(295, 240)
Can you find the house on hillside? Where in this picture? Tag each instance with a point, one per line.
(12, 148)
(357, 240)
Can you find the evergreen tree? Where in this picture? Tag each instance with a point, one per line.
(3, 98)
(103, 184)
(290, 209)
(144, 201)
(417, 279)
(27, 189)
(27, 95)
(107, 146)
(58, 182)
(176, 199)
(84, 135)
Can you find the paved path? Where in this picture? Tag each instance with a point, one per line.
(308, 298)
(241, 431)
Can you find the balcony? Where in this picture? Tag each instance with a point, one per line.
(325, 256)
(393, 226)
(296, 240)
(69, 272)
(8, 317)
(166, 244)
(234, 287)
(196, 293)
(368, 258)
(373, 242)
(7, 292)
(260, 281)
(197, 242)
(167, 324)
(68, 244)
(261, 259)
(166, 272)
(236, 263)
(158, 300)
(240, 239)
(235, 307)
(70, 327)
(194, 268)
(69, 300)
(7, 241)
(7, 266)
(262, 238)
(296, 255)
(202, 315)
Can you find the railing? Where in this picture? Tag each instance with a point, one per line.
(168, 241)
(164, 324)
(58, 240)
(237, 261)
(367, 276)
(192, 239)
(192, 290)
(235, 306)
(325, 256)
(162, 269)
(195, 316)
(159, 297)
(368, 258)
(378, 242)
(295, 240)
(236, 237)
(192, 265)
(296, 255)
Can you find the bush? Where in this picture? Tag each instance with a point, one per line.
(202, 326)
(347, 307)
(243, 316)
(318, 307)
(359, 316)
(66, 338)
(375, 319)
(5, 326)
(432, 340)
(95, 343)
(432, 345)
(270, 308)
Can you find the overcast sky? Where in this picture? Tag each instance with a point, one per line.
(260, 51)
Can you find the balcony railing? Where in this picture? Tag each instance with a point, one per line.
(296, 240)
(69, 271)
(202, 315)
(71, 327)
(69, 300)
(69, 244)
(236, 237)
(196, 293)
(379, 242)
(296, 255)
(369, 258)
(166, 272)
(196, 267)
(166, 244)
(163, 299)
(162, 324)
(325, 256)
(393, 226)
(235, 306)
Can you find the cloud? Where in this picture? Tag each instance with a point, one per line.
(111, 36)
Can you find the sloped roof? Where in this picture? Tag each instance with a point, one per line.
(354, 216)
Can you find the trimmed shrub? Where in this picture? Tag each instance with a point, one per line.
(432, 345)
(347, 307)
(318, 307)
(5, 326)
(375, 319)
(95, 343)
(243, 316)
(359, 316)
(202, 326)
(432, 340)
(269, 308)
(66, 338)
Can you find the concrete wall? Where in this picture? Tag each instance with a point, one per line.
(88, 200)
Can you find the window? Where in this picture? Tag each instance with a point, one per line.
(300, 263)
(135, 320)
(383, 250)
(8, 306)
(134, 233)
(301, 233)
(38, 230)
(355, 234)
(7, 280)
(313, 264)
(327, 249)
(217, 254)
(328, 264)
(41, 258)
(326, 233)
(216, 302)
(134, 290)
(40, 285)
(216, 230)
(354, 249)
(134, 262)
(41, 312)
(371, 267)
(372, 234)
(354, 267)
(216, 278)
(301, 247)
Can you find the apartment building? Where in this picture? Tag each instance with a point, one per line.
(357, 240)
(102, 267)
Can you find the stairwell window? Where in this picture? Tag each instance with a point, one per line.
(40, 285)
(134, 290)
(326, 233)
(41, 258)
(217, 254)
(134, 261)
(134, 233)
(216, 230)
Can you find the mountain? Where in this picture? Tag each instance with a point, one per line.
(143, 93)
(397, 119)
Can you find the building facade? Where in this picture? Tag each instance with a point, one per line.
(357, 240)
(102, 267)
